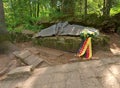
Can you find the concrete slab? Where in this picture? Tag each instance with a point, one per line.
(28, 58)
(33, 60)
(22, 54)
(20, 71)
(75, 75)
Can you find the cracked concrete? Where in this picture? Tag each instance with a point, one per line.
(103, 73)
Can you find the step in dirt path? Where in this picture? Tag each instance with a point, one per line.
(19, 71)
(103, 73)
(28, 58)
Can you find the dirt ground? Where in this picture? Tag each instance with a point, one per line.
(55, 57)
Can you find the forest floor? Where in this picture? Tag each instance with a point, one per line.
(56, 57)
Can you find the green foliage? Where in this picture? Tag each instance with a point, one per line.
(29, 12)
(115, 9)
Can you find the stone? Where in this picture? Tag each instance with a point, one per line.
(22, 54)
(33, 60)
(19, 71)
(69, 44)
(28, 58)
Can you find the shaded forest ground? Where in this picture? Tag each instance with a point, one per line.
(56, 57)
(66, 57)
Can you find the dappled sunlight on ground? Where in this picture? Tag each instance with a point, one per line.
(110, 81)
(37, 76)
(114, 70)
(115, 49)
(102, 73)
(112, 78)
(115, 44)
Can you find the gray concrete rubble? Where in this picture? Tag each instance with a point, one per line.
(63, 29)
(20, 72)
(28, 58)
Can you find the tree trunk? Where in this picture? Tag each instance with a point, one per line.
(53, 3)
(107, 4)
(5, 45)
(3, 31)
(80, 2)
(68, 7)
(38, 8)
(30, 8)
(2, 19)
(85, 9)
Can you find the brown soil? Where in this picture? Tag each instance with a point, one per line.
(114, 45)
(7, 62)
(55, 57)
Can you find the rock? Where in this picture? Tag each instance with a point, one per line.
(61, 43)
(71, 44)
(22, 54)
(28, 58)
(63, 29)
(20, 71)
(33, 60)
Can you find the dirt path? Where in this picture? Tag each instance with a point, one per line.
(7, 62)
(114, 40)
(115, 44)
(56, 57)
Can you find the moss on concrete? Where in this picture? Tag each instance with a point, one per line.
(19, 37)
(71, 44)
(101, 42)
(65, 43)
(61, 43)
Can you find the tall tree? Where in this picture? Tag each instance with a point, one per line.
(107, 4)
(3, 31)
(5, 45)
(85, 8)
(80, 3)
(38, 8)
(68, 7)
